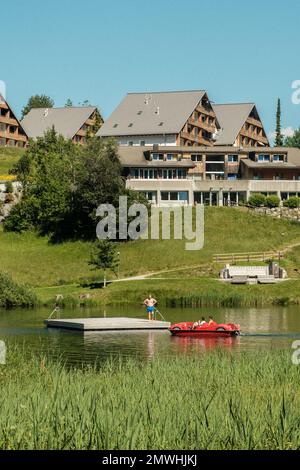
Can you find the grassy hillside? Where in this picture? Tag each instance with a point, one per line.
(33, 260)
(8, 158)
(63, 269)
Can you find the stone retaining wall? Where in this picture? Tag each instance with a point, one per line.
(279, 212)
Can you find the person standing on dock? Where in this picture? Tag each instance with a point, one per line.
(150, 304)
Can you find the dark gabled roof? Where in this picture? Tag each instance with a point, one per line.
(66, 121)
(151, 113)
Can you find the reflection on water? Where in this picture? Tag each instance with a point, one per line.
(263, 329)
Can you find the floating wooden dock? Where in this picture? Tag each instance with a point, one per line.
(107, 324)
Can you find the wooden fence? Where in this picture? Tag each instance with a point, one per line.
(247, 257)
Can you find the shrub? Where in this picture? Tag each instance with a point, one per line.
(13, 294)
(272, 201)
(19, 219)
(9, 189)
(257, 200)
(292, 202)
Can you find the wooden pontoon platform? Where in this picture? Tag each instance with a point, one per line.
(107, 324)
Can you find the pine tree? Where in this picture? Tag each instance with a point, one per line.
(279, 136)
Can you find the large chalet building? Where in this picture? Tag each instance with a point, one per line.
(182, 118)
(12, 133)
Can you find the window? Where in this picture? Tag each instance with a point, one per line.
(175, 196)
(183, 196)
(161, 124)
(233, 158)
(232, 176)
(171, 157)
(157, 156)
(263, 158)
(142, 143)
(130, 143)
(130, 125)
(196, 158)
(139, 113)
(115, 125)
(278, 158)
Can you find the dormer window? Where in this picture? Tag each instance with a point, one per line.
(161, 124)
(278, 158)
(130, 125)
(115, 125)
(139, 113)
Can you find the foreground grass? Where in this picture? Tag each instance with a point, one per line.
(8, 158)
(249, 401)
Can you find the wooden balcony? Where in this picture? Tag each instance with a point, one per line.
(8, 120)
(255, 122)
(13, 136)
(202, 125)
(254, 136)
(196, 140)
(206, 111)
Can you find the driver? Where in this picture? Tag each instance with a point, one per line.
(199, 323)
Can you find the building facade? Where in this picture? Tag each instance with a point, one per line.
(211, 176)
(182, 118)
(12, 133)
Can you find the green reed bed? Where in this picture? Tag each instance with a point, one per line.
(213, 401)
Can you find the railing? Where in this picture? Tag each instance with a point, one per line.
(247, 257)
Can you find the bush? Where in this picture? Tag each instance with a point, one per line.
(9, 189)
(19, 219)
(292, 202)
(13, 294)
(272, 201)
(257, 200)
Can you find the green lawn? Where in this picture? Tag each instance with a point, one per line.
(8, 158)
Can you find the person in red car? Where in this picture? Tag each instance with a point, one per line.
(211, 321)
(200, 323)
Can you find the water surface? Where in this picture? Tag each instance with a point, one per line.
(263, 329)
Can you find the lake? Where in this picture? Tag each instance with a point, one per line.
(262, 329)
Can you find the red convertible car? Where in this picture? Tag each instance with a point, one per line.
(212, 329)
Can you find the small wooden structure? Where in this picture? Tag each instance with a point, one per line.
(107, 324)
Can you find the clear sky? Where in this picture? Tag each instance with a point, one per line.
(100, 50)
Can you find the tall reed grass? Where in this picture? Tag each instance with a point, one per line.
(218, 401)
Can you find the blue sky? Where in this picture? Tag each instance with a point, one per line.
(100, 50)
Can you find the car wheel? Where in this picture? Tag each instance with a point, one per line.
(220, 329)
(176, 328)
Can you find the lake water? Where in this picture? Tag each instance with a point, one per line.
(262, 329)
